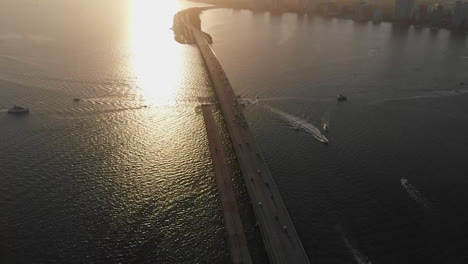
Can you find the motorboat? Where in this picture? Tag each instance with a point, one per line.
(341, 98)
(18, 110)
(325, 127)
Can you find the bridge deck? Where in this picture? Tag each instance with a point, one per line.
(279, 235)
(236, 240)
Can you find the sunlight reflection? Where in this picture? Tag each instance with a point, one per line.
(156, 57)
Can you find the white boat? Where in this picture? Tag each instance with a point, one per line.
(18, 110)
(325, 127)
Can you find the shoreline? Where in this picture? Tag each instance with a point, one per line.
(385, 19)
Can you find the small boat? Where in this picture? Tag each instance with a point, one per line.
(76, 99)
(325, 127)
(462, 83)
(341, 98)
(18, 110)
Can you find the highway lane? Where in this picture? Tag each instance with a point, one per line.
(236, 240)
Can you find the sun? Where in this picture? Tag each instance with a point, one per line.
(156, 57)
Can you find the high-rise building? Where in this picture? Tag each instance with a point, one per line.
(465, 11)
(331, 9)
(275, 4)
(304, 5)
(437, 15)
(363, 11)
(260, 4)
(421, 14)
(404, 10)
(460, 15)
(377, 15)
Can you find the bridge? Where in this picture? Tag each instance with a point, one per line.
(280, 238)
(235, 236)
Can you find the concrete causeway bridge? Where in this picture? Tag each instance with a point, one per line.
(279, 235)
(235, 236)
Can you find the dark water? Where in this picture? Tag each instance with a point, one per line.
(406, 118)
(124, 176)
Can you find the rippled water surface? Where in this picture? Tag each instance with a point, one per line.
(122, 176)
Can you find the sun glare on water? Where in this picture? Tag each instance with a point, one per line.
(156, 56)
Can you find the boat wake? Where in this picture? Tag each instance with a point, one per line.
(86, 113)
(358, 256)
(433, 94)
(415, 194)
(298, 123)
(248, 101)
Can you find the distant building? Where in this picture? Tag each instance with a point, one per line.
(292, 5)
(327, 8)
(304, 5)
(465, 11)
(377, 15)
(276, 4)
(460, 15)
(363, 11)
(260, 4)
(404, 10)
(421, 14)
(346, 11)
(311, 5)
(332, 9)
(438, 16)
